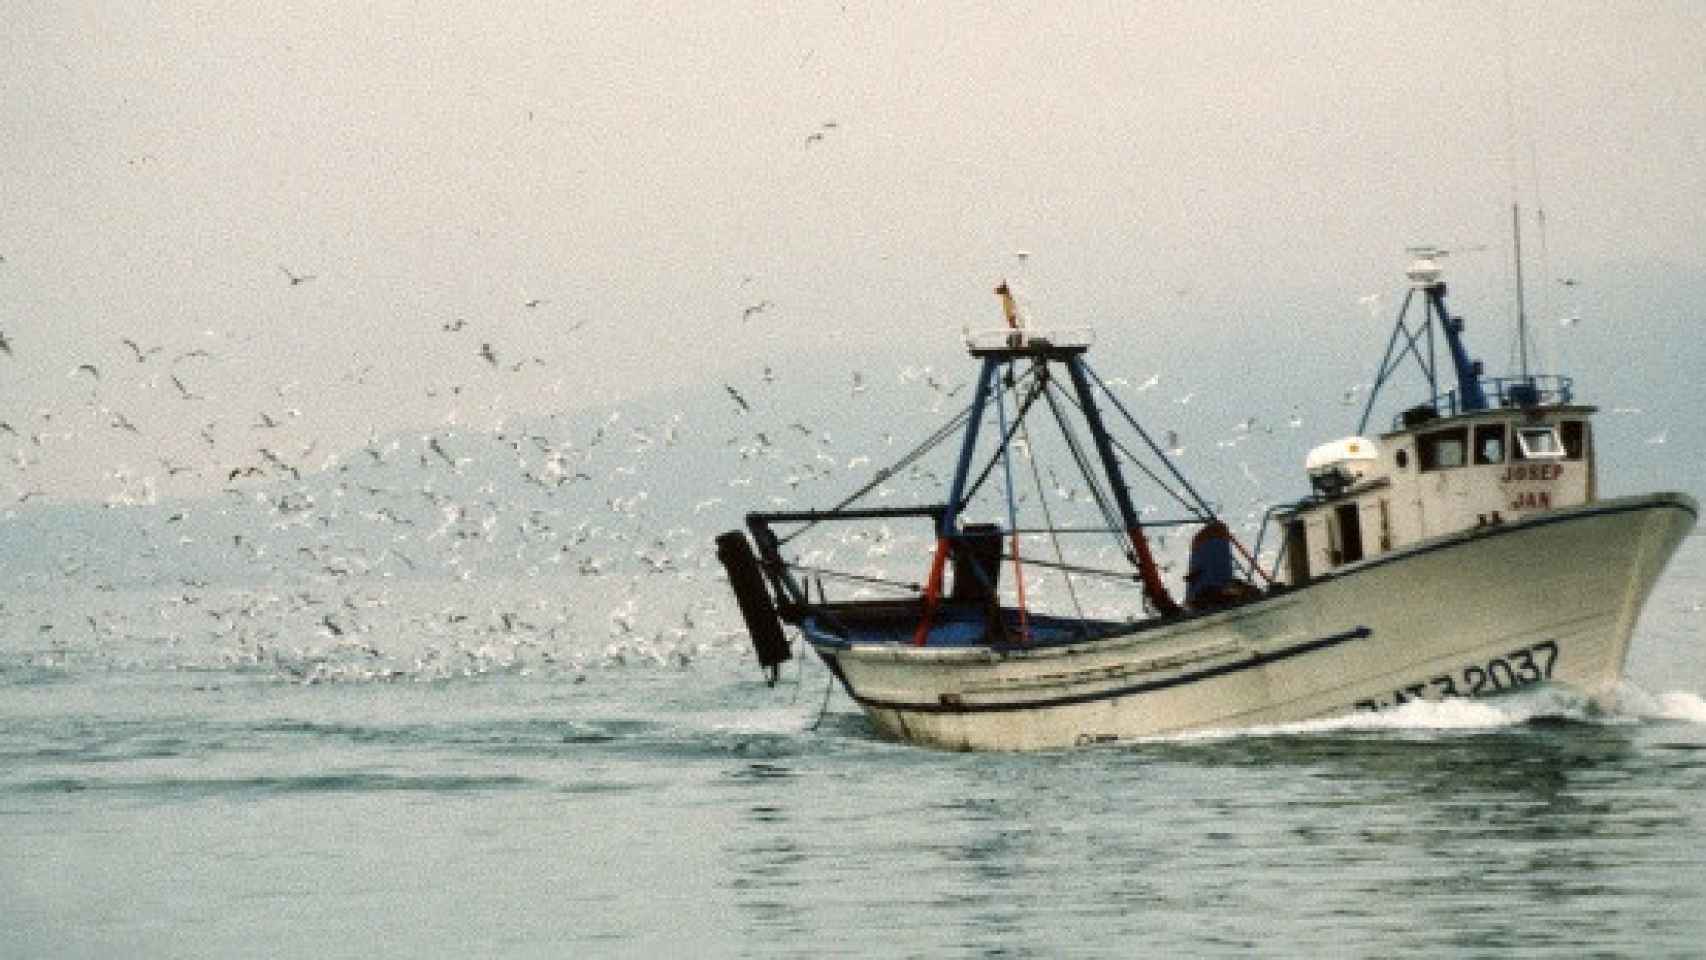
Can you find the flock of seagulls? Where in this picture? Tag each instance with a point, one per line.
(299, 559)
(308, 562)
(313, 563)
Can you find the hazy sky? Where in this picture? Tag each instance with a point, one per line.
(865, 172)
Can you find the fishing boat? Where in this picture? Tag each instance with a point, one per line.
(1463, 552)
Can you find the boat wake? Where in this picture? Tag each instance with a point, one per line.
(1679, 706)
(1629, 704)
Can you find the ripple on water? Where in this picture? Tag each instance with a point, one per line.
(188, 788)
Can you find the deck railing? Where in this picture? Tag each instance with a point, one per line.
(1534, 390)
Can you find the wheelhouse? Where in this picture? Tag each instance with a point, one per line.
(1489, 452)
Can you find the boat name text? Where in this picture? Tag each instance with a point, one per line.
(1525, 472)
(1532, 500)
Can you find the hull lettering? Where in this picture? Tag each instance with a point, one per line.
(1519, 668)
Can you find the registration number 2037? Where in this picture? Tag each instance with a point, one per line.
(1519, 668)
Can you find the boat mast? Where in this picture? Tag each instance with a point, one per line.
(1521, 312)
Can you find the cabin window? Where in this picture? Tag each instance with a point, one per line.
(1574, 433)
(1490, 443)
(1443, 450)
(1403, 458)
(1538, 443)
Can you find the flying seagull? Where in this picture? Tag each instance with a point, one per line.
(433, 445)
(817, 135)
(136, 348)
(278, 462)
(295, 278)
(744, 406)
(185, 391)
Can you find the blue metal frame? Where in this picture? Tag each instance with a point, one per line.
(996, 375)
(1469, 396)
(1104, 445)
(948, 524)
(1468, 369)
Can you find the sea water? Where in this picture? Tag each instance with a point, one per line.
(434, 786)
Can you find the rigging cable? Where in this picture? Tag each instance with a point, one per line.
(1110, 515)
(1206, 513)
(1048, 516)
(821, 572)
(799, 674)
(1007, 434)
(1201, 504)
(1124, 576)
(930, 442)
(823, 708)
(1012, 505)
(1556, 362)
(1522, 333)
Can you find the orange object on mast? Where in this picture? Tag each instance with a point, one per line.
(1009, 307)
(932, 592)
(1019, 584)
(1150, 574)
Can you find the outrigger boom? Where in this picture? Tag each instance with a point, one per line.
(1022, 375)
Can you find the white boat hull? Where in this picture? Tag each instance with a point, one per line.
(1553, 599)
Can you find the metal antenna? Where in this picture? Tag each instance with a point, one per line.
(1521, 311)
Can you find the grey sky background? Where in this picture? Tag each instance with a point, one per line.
(1181, 173)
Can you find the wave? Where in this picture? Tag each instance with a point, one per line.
(1677, 706)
